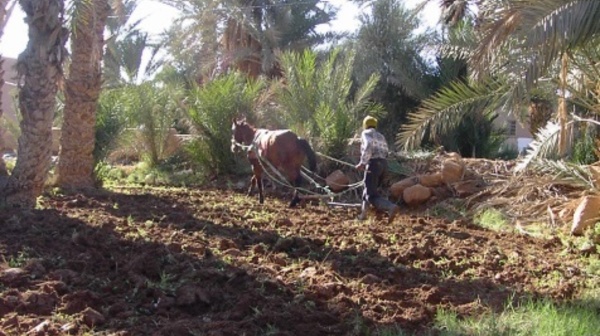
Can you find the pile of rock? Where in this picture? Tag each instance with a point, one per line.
(452, 180)
(587, 213)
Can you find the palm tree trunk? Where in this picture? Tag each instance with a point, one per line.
(40, 69)
(76, 160)
(540, 113)
(562, 107)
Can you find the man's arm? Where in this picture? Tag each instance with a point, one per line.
(365, 151)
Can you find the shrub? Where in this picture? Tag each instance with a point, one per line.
(110, 122)
(211, 110)
(317, 100)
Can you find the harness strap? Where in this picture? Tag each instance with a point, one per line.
(283, 180)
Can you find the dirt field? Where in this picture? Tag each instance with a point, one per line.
(215, 262)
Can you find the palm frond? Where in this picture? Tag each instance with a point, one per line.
(444, 110)
(539, 30)
(558, 26)
(545, 145)
(564, 172)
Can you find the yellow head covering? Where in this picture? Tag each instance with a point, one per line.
(369, 122)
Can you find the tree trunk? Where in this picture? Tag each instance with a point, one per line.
(40, 69)
(562, 107)
(76, 160)
(540, 113)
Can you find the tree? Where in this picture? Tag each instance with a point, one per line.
(211, 108)
(252, 39)
(389, 44)
(521, 48)
(40, 69)
(82, 89)
(317, 101)
(244, 35)
(124, 45)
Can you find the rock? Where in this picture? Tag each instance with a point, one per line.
(588, 248)
(397, 189)
(92, 317)
(416, 195)
(308, 272)
(595, 172)
(586, 214)
(190, 294)
(441, 193)
(467, 188)
(232, 252)
(40, 329)
(568, 210)
(337, 181)
(452, 171)
(370, 279)
(13, 277)
(431, 180)
(35, 268)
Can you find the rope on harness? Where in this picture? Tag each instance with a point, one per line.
(350, 187)
(282, 180)
(336, 160)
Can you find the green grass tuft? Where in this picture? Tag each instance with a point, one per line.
(492, 219)
(543, 318)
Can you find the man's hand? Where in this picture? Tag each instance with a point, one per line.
(360, 166)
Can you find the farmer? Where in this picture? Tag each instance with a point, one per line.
(373, 160)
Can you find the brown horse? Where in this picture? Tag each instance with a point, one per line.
(279, 149)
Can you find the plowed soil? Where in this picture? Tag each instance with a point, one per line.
(212, 261)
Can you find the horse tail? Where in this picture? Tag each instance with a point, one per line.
(310, 154)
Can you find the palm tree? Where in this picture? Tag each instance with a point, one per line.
(82, 89)
(244, 34)
(6, 8)
(317, 100)
(40, 69)
(533, 38)
(389, 44)
(263, 27)
(125, 46)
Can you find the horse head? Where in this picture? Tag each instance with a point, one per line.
(241, 133)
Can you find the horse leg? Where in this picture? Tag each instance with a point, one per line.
(257, 180)
(296, 198)
(252, 184)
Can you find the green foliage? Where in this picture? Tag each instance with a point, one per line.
(152, 108)
(110, 122)
(475, 136)
(507, 152)
(242, 32)
(211, 110)
(492, 219)
(317, 100)
(390, 43)
(444, 111)
(584, 150)
(532, 318)
(20, 259)
(125, 46)
(167, 173)
(565, 172)
(105, 174)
